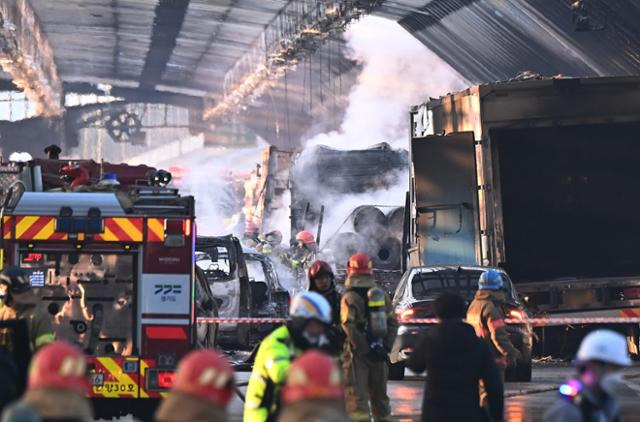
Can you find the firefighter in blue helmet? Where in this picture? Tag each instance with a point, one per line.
(310, 315)
(486, 315)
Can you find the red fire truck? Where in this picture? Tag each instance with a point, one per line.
(113, 266)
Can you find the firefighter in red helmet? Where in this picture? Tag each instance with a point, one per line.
(370, 325)
(313, 391)
(58, 384)
(302, 254)
(201, 391)
(321, 280)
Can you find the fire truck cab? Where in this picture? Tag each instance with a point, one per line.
(114, 268)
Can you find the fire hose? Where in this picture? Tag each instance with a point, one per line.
(537, 322)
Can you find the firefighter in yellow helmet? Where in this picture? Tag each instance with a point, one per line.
(370, 325)
(202, 389)
(20, 302)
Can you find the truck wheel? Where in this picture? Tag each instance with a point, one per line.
(396, 371)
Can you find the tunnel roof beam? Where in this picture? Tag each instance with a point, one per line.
(296, 32)
(25, 54)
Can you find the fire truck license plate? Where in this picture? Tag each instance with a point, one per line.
(115, 387)
(97, 380)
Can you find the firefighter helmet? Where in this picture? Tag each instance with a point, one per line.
(310, 305)
(319, 268)
(305, 237)
(605, 346)
(490, 280)
(16, 279)
(314, 375)
(273, 237)
(207, 375)
(360, 263)
(61, 366)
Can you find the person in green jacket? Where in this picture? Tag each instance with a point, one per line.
(310, 316)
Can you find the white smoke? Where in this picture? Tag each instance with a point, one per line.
(398, 72)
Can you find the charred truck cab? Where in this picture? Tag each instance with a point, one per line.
(538, 177)
(114, 269)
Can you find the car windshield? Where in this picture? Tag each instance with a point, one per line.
(426, 285)
(255, 269)
(215, 263)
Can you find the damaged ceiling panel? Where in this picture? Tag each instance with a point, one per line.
(493, 40)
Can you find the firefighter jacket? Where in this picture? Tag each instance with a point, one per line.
(316, 410)
(25, 306)
(275, 354)
(584, 406)
(487, 317)
(180, 407)
(334, 333)
(58, 404)
(354, 315)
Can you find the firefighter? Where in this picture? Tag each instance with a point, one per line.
(591, 396)
(313, 391)
(310, 314)
(271, 244)
(303, 253)
(20, 302)
(370, 325)
(58, 384)
(201, 391)
(321, 280)
(486, 315)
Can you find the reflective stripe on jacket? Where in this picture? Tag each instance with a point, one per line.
(269, 374)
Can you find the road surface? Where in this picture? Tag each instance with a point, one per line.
(525, 402)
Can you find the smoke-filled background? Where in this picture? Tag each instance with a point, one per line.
(398, 72)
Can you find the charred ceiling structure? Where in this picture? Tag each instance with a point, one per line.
(494, 40)
(276, 68)
(219, 59)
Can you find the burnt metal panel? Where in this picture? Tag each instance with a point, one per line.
(445, 200)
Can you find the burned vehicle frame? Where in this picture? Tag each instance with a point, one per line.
(223, 262)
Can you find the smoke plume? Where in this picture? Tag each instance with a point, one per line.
(398, 72)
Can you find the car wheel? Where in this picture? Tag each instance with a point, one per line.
(396, 371)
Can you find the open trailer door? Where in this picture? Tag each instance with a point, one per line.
(444, 200)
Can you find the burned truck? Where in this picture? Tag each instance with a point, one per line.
(329, 188)
(538, 177)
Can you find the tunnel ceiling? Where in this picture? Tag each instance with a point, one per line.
(491, 40)
(181, 51)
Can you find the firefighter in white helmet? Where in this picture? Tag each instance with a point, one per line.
(591, 395)
(310, 318)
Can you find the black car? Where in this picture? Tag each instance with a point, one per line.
(414, 298)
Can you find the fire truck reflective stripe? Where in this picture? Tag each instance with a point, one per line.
(8, 225)
(165, 333)
(165, 321)
(155, 230)
(37, 228)
(119, 229)
(634, 312)
(114, 369)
